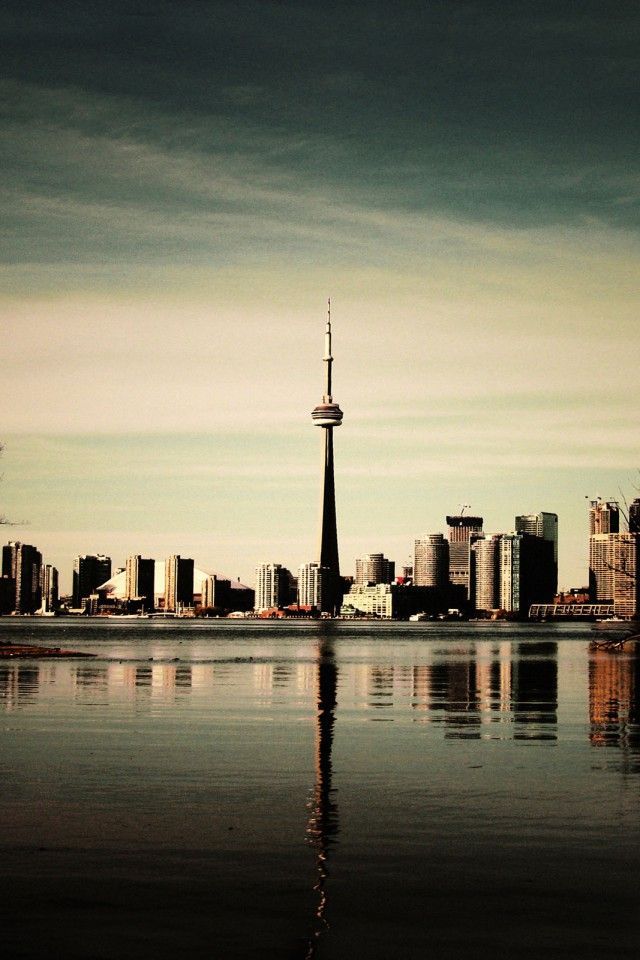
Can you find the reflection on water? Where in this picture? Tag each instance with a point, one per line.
(490, 690)
(470, 766)
(614, 698)
(322, 826)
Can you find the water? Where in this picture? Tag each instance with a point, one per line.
(318, 791)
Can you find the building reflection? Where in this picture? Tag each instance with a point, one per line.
(322, 825)
(504, 690)
(614, 698)
(534, 691)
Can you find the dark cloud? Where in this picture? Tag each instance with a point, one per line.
(119, 116)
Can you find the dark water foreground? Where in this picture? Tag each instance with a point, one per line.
(308, 790)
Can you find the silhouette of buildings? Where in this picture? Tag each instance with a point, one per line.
(140, 580)
(178, 583)
(21, 566)
(89, 571)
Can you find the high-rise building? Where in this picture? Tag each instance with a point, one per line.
(49, 588)
(604, 516)
(328, 415)
(22, 563)
(89, 572)
(545, 526)
(311, 583)
(528, 572)
(486, 581)
(613, 571)
(462, 531)
(431, 562)
(634, 516)
(374, 568)
(273, 586)
(140, 580)
(178, 583)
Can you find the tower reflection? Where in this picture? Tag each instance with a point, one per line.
(322, 825)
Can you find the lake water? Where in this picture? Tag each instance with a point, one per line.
(229, 789)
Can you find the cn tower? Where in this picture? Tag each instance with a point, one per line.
(328, 415)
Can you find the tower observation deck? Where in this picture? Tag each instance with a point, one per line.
(328, 415)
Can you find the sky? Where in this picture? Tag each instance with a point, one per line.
(185, 184)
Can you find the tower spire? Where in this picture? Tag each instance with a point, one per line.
(327, 414)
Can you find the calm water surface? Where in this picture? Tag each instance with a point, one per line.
(319, 791)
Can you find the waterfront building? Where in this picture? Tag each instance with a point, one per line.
(528, 572)
(431, 562)
(273, 586)
(328, 415)
(22, 563)
(140, 580)
(613, 571)
(545, 526)
(114, 592)
(374, 568)
(486, 581)
(462, 531)
(89, 571)
(393, 601)
(178, 583)
(312, 580)
(49, 588)
(604, 516)
(373, 600)
(225, 595)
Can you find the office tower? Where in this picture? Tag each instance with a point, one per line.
(328, 415)
(49, 588)
(140, 580)
(613, 571)
(216, 593)
(431, 562)
(312, 580)
(486, 583)
(634, 516)
(22, 563)
(273, 586)
(545, 526)
(461, 531)
(604, 516)
(89, 572)
(178, 583)
(374, 568)
(528, 572)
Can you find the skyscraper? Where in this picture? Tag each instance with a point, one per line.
(89, 572)
(311, 584)
(140, 578)
(528, 572)
(604, 516)
(374, 568)
(634, 516)
(462, 531)
(273, 586)
(545, 526)
(613, 571)
(22, 563)
(431, 562)
(49, 588)
(486, 587)
(328, 415)
(178, 582)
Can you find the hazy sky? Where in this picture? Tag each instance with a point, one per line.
(184, 184)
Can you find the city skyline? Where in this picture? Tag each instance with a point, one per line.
(183, 191)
